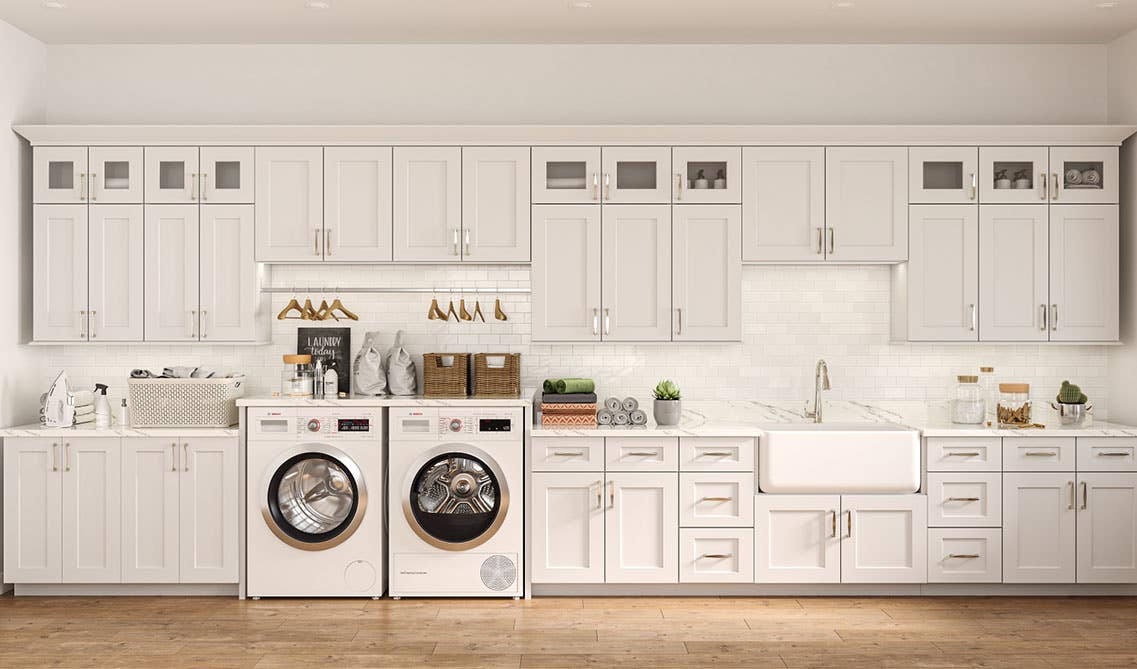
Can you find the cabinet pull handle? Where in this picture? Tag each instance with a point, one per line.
(595, 186)
(193, 323)
(1071, 504)
(193, 186)
(315, 242)
(974, 187)
(204, 182)
(612, 494)
(1045, 190)
(849, 522)
(466, 249)
(643, 454)
(678, 186)
(974, 317)
(454, 250)
(1041, 454)
(718, 499)
(328, 242)
(1054, 192)
(204, 320)
(599, 495)
(607, 322)
(607, 187)
(185, 456)
(55, 457)
(83, 186)
(66, 456)
(595, 321)
(1085, 495)
(83, 324)
(820, 241)
(832, 241)
(679, 331)
(568, 454)
(962, 499)
(93, 181)
(1113, 454)
(173, 457)
(93, 322)
(1054, 317)
(964, 454)
(716, 454)
(963, 556)
(716, 556)
(833, 524)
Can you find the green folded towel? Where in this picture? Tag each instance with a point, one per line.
(570, 386)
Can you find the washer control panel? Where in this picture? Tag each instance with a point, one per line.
(449, 422)
(354, 425)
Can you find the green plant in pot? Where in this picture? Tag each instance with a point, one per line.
(668, 406)
(1071, 404)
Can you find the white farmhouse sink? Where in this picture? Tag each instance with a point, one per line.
(839, 458)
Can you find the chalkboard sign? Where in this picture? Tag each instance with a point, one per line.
(334, 345)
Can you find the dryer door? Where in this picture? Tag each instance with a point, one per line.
(455, 497)
(313, 497)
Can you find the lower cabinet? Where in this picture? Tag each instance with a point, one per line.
(716, 555)
(965, 555)
(568, 527)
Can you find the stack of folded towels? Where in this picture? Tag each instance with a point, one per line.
(84, 403)
(568, 403)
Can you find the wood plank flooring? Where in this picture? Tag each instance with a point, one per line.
(177, 632)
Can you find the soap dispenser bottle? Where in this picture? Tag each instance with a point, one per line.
(102, 407)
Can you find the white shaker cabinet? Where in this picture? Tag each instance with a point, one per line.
(796, 539)
(636, 268)
(866, 202)
(642, 527)
(568, 527)
(1084, 273)
(150, 510)
(566, 175)
(230, 300)
(92, 516)
(943, 273)
(495, 204)
(635, 174)
(885, 539)
(1039, 521)
(707, 174)
(783, 204)
(59, 268)
(1084, 175)
(208, 492)
(943, 174)
(706, 273)
(115, 175)
(115, 272)
(1013, 175)
(1107, 527)
(172, 266)
(227, 175)
(172, 175)
(290, 204)
(427, 204)
(1014, 253)
(59, 175)
(566, 273)
(33, 516)
(357, 203)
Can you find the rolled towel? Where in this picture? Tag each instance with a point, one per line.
(604, 417)
(1073, 177)
(638, 417)
(630, 404)
(621, 418)
(613, 404)
(569, 386)
(86, 409)
(1091, 177)
(83, 420)
(81, 397)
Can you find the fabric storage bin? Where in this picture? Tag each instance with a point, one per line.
(445, 374)
(497, 374)
(185, 402)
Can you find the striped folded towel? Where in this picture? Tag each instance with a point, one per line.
(568, 420)
(568, 408)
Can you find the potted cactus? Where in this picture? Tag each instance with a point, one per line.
(668, 407)
(1071, 404)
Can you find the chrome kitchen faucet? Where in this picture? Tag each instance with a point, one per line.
(820, 382)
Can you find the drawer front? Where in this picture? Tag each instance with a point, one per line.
(964, 454)
(641, 454)
(716, 454)
(1038, 454)
(965, 555)
(965, 500)
(1107, 454)
(568, 454)
(716, 556)
(716, 500)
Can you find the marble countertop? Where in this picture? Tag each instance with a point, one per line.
(385, 401)
(115, 431)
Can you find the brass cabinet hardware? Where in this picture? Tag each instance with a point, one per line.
(66, 456)
(173, 457)
(185, 456)
(94, 180)
(204, 182)
(1071, 504)
(595, 186)
(83, 186)
(716, 454)
(55, 457)
(716, 556)
(833, 524)
(974, 318)
(599, 495)
(1085, 495)
(93, 321)
(1042, 308)
(1041, 454)
(964, 454)
(595, 321)
(1054, 317)
(644, 454)
(832, 240)
(83, 323)
(849, 522)
(466, 237)
(612, 494)
(568, 454)
(1113, 454)
(962, 499)
(963, 556)
(328, 242)
(678, 186)
(1054, 193)
(974, 186)
(1042, 181)
(607, 187)
(718, 499)
(820, 241)
(607, 322)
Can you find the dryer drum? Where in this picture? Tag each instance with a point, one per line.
(455, 497)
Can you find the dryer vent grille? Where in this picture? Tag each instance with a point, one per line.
(498, 572)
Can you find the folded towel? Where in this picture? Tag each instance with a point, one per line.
(604, 417)
(84, 410)
(570, 386)
(638, 417)
(81, 397)
(613, 404)
(83, 420)
(567, 420)
(630, 404)
(583, 407)
(568, 398)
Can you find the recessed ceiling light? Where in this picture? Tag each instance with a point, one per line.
(55, 4)
(317, 4)
(844, 4)
(1105, 5)
(579, 4)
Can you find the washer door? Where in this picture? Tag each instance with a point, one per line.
(455, 497)
(314, 497)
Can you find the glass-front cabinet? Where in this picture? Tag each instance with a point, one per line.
(635, 174)
(1013, 174)
(943, 175)
(566, 174)
(115, 174)
(226, 175)
(706, 174)
(1083, 174)
(60, 174)
(171, 174)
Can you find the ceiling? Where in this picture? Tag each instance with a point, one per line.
(570, 21)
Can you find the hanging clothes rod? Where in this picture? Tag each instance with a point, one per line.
(393, 289)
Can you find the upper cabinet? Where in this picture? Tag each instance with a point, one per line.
(428, 207)
(115, 175)
(706, 273)
(635, 175)
(495, 204)
(226, 175)
(943, 273)
(1084, 175)
(1037, 175)
(357, 203)
(707, 174)
(1013, 175)
(566, 174)
(783, 204)
(866, 203)
(566, 273)
(1084, 273)
(290, 204)
(636, 273)
(59, 268)
(1013, 258)
(59, 175)
(172, 175)
(76, 175)
(943, 175)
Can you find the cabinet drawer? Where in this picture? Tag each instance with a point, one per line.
(716, 454)
(964, 454)
(965, 500)
(641, 454)
(1038, 454)
(716, 556)
(716, 500)
(965, 555)
(568, 454)
(1107, 454)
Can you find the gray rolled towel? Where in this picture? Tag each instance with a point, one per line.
(604, 417)
(630, 404)
(621, 418)
(638, 417)
(613, 404)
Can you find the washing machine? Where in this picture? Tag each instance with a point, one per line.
(315, 516)
(455, 496)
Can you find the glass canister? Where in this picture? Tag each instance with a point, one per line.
(990, 392)
(296, 381)
(1014, 404)
(969, 406)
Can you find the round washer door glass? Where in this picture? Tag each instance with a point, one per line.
(456, 500)
(313, 500)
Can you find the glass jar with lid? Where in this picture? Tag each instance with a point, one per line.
(969, 406)
(296, 381)
(1014, 404)
(990, 392)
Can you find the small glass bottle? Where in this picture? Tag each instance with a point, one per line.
(1014, 404)
(990, 392)
(969, 406)
(296, 379)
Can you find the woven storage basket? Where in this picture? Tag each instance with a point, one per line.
(440, 380)
(503, 381)
(185, 402)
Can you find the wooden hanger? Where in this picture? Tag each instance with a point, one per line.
(450, 311)
(435, 312)
(478, 311)
(463, 312)
(338, 306)
(324, 312)
(292, 305)
(309, 310)
(497, 312)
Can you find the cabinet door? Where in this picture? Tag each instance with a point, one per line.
(965, 555)
(357, 203)
(1084, 174)
(886, 539)
(965, 499)
(636, 262)
(1013, 174)
(796, 539)
(721, 170)
(172, 175)
(783, 204)
(1013, 267)
(33, 492)
(943, 174)
(115, 281)
(495, 204)
(116, 174)
(290, 204)
(149, 510)
(716, 555)
(59, 265)
(642, 528)
(208, 492)
(92, 514)
(568, 527)
(59, 175)
(229, 291)
(866, 204)
(716, 499)
(566, 174)
(566, 273)
(172, 261)
(636, 174)
(943, 273)
(227, 174)
(1107, 528)
(1038, 527)
(1084, 299)
(428, 203)
(706, 273)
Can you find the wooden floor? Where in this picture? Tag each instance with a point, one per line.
(174, 632)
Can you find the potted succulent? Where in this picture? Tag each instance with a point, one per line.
(668, 407)
(1071, 404)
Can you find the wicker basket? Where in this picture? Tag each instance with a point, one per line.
(497, 375)
(185, 402)
(445, 380)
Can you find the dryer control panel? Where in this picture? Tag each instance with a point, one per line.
(449, 422)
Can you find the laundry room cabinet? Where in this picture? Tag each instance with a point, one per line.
(866, 198)
(783, 204)
(357, 204)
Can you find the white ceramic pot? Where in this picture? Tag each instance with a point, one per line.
(667, 412)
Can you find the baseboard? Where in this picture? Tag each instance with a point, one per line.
(125, 589)
(833, 590)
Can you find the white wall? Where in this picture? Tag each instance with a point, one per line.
(577, 84)
(1122, 108)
